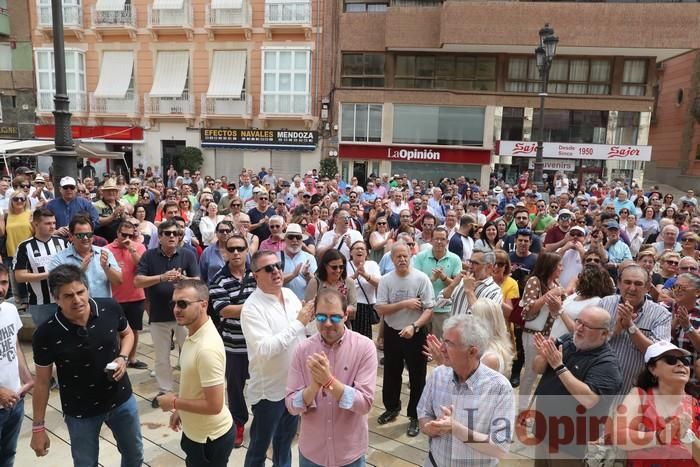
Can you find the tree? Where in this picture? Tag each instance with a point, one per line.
(191, 159)
(328, 168)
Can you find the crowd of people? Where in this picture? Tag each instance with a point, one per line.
(510, 306)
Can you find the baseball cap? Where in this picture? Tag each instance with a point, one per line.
(578, 228)
(659, 348)
(68, 181)
(613, 225)
(565, 212)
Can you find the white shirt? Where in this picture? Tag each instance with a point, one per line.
(10, 324)
(328, 240)
(272, 332)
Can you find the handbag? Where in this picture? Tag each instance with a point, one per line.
(373, 316)
(601, 453)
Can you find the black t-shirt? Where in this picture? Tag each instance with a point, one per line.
(263, 232)
(81, 354)
(154, 262)
(509, 244)
(521, 267)
(599, 369)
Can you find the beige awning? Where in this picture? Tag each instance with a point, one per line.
(226, 4)
(115, 73)
(110, 5)
(171, 73)
(168, 4)
(227, 73)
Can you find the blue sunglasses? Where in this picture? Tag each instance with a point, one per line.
(335, 319)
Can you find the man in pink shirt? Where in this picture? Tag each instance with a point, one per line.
(127, 250)
(332, 377)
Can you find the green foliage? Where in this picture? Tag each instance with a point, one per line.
(191, 159)
(329, 167)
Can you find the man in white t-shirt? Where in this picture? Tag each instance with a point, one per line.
(572, 256)
(15, 379)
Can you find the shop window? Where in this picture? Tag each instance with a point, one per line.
(572, 126)
(363, 70)
(458, 72)
(362, 6)
(634, 78)
(423, 124)
(361, 122)
(566, 76)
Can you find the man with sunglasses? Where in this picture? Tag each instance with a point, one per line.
(522, 221)
(68, 205)
(558, 234)
(579, 372)
(98, 264)
(572, 256)
(274, 323)
(275, 242)
(157, 271)
(260, 215)
(319, 389)
(298, 266)
(128, 251)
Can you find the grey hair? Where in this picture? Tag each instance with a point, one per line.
(471, 330)
(489, 256)
(401, 238)
(636, 267)
(276, 217)
(692, 278)
(670, 227)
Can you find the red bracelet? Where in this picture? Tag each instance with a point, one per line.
(38, 429)
(328, 384)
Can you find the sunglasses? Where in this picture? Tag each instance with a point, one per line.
(686, 360)
(673, 263)
(294, 237)
(335, 267)
(170, 233)
(182, 304)
(688, 240)
(236, 249)
(19, 200)
(270, 268)
(224, 231)
(68, 187)
(263, 199)
(235, 205)
(592, 261)
(500, 265)
(83, 235)
(335, 319)
(576, 234)
(275, 226)
(25, 185)
(381, 223)
(126, 235)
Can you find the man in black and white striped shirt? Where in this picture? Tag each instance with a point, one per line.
(31, 263)
(229, 288)
(474, 284)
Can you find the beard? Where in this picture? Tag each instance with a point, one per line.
(295, 249)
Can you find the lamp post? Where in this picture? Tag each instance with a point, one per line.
(64, 157)
(544, 55)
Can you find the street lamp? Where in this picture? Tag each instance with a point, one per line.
(544, 55)
(64, 158)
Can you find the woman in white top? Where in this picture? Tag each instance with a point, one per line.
(380, 239)
(365, 273)
(488, 238)
(208, 223)
(593, 283)
(635, 234)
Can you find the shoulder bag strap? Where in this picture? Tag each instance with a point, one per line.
(359, 283)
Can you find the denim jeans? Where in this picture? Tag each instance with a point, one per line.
(213, 453)
(304, 462)
(42, 313)
(123, 420)
(271, 422)
(10, 424)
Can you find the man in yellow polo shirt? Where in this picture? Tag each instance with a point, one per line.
(199, 409)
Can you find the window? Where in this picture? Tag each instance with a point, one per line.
(512, 123)
(572, 126)
(363, 70)
(634, 78)
(5, 57)
(459, 72)
(424, 124)
(361, 122)
(627, 128)
(286, 81)
(566, 76)
(75, 79)
(361, 6)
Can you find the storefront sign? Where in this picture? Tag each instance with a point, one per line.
(109, 133)
(259, 139)
(416, 153)
(9, 132)
(576, 151)
(555, 164)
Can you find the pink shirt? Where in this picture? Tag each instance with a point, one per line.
(272, 244)
(126, 292)
(334, 432)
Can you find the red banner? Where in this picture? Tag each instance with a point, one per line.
(434, 154)
(120, 133)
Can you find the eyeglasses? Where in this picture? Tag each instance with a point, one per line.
(564, 217)
(182, 304)
(68, 187)
(294, 237)
(578, 322)
(671, 262)
(381, 223)
(270, 268)
(686, 360)
(83, 235)
(335, 267)
(500, 264)
(263, 198)
(236, 249)
(19, 199)
(224, 231)
(126, 235)
(689, 269)
(592, 260)
(273, 226)
(477, 263)
(170, 233)
(688, 240)
(335, 319)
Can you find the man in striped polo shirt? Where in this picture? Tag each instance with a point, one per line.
(228, 290)
(32, 260)
(475, 283)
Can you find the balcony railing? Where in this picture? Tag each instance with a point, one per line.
(285, 104)
(125, 17)
(182, 105)
(228, 16)
(78, 101)
(288, 13)
(72, 15)
(171, 17)
(227, 105)
(127, 105)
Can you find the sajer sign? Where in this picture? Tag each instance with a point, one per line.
(576, 151)
(258, 139)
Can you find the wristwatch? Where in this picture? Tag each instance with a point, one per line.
(689, 329)
(415, 328)
(632, 329)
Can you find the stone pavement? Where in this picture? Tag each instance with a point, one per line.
(389, 445)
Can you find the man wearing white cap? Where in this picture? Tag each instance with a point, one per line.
(298, 266)
(68, 205)
(572, 256)
(558, 235)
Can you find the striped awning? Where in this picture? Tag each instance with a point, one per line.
(171, 73)
(116, 72)
(227, 73)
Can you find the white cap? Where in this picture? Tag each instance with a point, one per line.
(659, 348)
(565, 212)
(68, 181)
